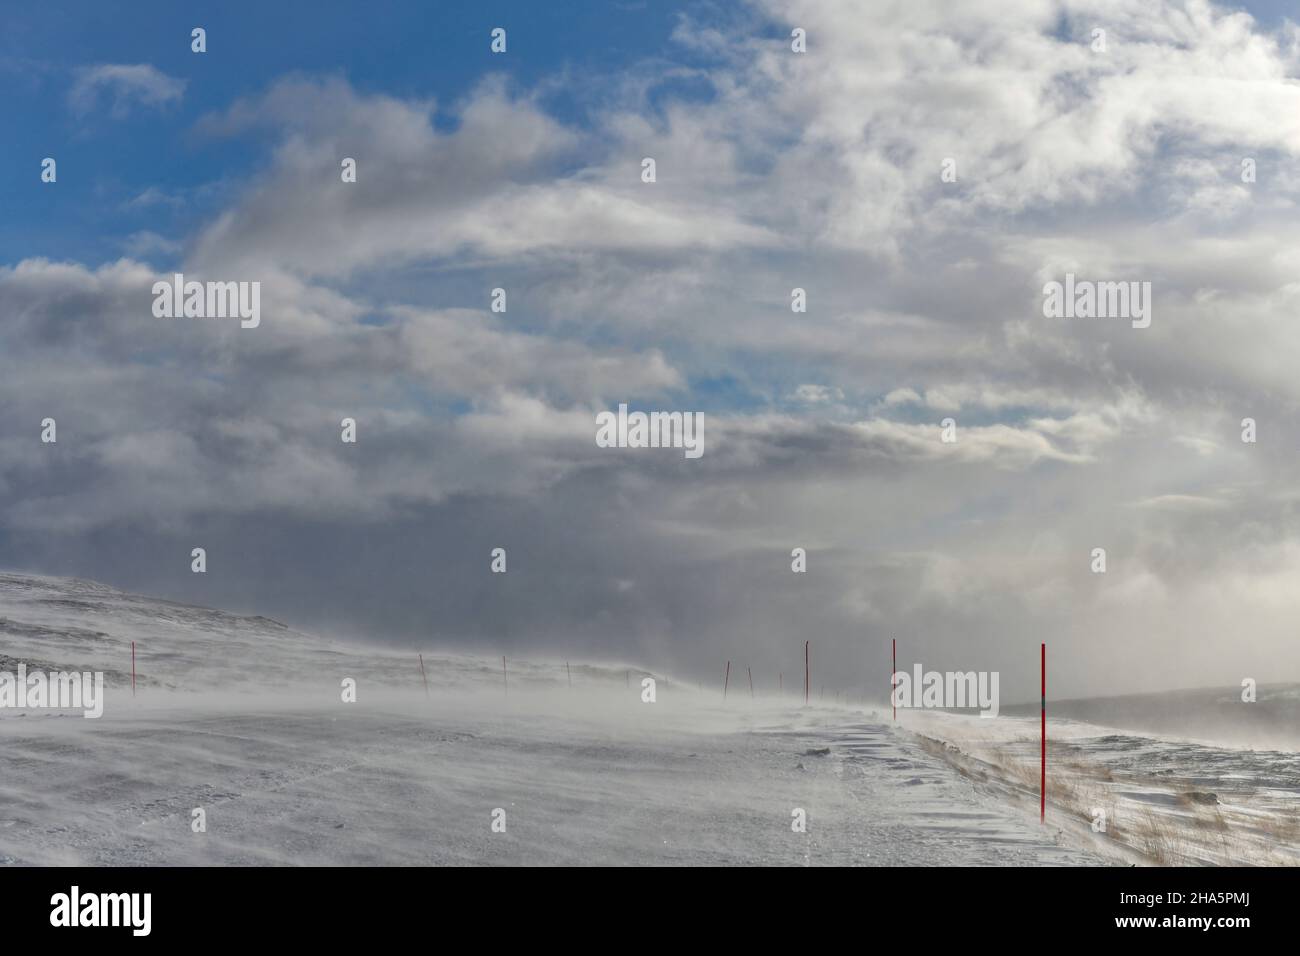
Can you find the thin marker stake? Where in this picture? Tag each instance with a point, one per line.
(568, 674)
(423, 677)
(893, 678)
(726, 680)
(751, 682)
(505, 681)
(1042, 783)
(133, 668)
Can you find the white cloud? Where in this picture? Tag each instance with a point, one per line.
(124, 86)
(818, 171)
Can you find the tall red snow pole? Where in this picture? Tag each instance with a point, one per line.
(893, 678)
(1042, 783)
(133, 668)
(423, 677)
(726, 680)
(751, 681)
(505, 681)
(805, 674)
(568, 674)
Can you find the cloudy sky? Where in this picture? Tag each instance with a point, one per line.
(774, 170)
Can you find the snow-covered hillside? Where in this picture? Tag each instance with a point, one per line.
(243, 719)
(1169, 799)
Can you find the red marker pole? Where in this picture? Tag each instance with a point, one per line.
(133, 668)
(893, 678)
(505, 681)
(568, 674)
(423, 677)
(726, 680)
(751, 682)
(1042, 784)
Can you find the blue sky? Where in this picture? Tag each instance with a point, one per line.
(406, 49)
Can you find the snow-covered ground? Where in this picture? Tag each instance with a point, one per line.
(412, 784)
(244, 719)
(1165, 799)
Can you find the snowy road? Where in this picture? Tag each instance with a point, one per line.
(366, 786)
